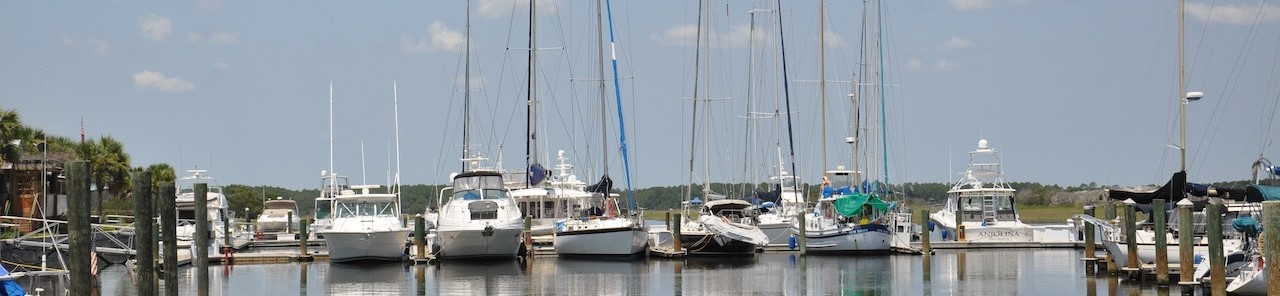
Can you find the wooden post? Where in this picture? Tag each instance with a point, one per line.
(1217, 261)
(420, 236)
(142, 221)
(804, 235)
(79, 229)
(168, 229)
(1109, 211)
(1131, 237)
(959, 235)
(924, 235)
(675, 232)
(288, 224)
(668, 219)
(201, 235)
(528, 236)
(1090, 246)
(1162, 249)
(228, 244)
(1186, 244)
(1271, 237)
(304, 233)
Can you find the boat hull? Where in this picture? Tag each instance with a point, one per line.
(366, 245)
(1147, 251)
(494, 242)
(707, 244)
(779, 233)
(1251, 281)
(602, 241)
(868, 238)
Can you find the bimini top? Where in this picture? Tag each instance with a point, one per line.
(1258, 193)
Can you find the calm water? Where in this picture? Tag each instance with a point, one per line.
(950, 272)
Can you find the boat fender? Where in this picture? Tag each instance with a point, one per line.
(1198, 258)
(791, 242)
(931, 225)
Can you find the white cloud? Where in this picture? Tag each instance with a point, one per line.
(498, 9)
(222, 65)
(155, 27)
(99, 47)
(834, 40)
(438, 38)
(209, 5)
(957, 42)
(969, 4)
(914, 64)
(148, 79)
(218, 37)
(1238, 14)
(679, 35)
(944, 65)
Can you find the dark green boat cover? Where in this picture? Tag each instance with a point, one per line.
(1257, 193)
(851, 205)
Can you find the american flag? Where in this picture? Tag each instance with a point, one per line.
(82, 131)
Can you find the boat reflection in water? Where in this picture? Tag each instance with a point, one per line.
(949, 272)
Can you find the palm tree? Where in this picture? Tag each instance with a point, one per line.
(110, 167)
(161, 172)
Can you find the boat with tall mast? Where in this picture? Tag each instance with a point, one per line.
(478, 219)
(606, 231)
(723, 226)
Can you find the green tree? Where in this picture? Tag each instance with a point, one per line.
(161, 172)
(110, 167)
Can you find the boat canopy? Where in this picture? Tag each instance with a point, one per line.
(603, 187)
(1258, 193)
(1144, 198)
(852, 204)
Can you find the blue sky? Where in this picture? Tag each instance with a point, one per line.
(1070, 91)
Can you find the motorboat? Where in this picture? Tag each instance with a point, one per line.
(479, 219)
(366, 226)
(218, 214)
(278, 215)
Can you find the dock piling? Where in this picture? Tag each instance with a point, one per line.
(288, 224)
(1090, 254)
(1271, 237)
(305, 235)
(1162, 250)
(804, 236)
(142, 222)
(1185, 244)
(924, 234)
(1217, 262)
(1131, 238)
(201, 235)
(168, 232)
(79, 230)
(419, 236)
(675, 232)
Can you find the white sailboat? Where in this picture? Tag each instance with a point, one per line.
(479, 219)
(719, 228)
(606, 230)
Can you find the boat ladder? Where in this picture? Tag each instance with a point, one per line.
(988, 209)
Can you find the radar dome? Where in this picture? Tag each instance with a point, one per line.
(982, 144)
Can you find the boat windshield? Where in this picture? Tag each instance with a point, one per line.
(487, 182)
(323, 208)
(366, 209)
(476, 194)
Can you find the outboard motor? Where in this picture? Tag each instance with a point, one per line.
(484, 209)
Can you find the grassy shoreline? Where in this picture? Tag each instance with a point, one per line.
(1033, 214)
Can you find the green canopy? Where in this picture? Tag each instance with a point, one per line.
(851, 205)
(1257, 193)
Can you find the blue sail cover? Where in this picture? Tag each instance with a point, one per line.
(1258, 193)
(10, 287)
(537, 174)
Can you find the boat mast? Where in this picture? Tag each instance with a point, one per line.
(822, 76)
(466, 93)
(604, 118)
(693, 134)
(1182, 83)
(706, 113)
(884, 129)
(622, 127)
(531, 127)
(786, 94)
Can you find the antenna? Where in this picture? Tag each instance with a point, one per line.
(333, 181)
(363, 177)
(396, 109)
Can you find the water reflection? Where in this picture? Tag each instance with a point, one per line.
(947, 272)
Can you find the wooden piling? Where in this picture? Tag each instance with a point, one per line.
(528, 235)
(1185, 244)
(924, 234)
(675, 232)
(1217, 261)
(79, 229)
(1089, 243)
(1109, 211)
(142, 222)
(304, 232)
(168, 230)
(201, 235)
(1271, 244)
(1131, 237)
(420, 236)
(668, 219)
(1162, 250)
(288, 224)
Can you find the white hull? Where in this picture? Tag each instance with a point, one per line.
(366, 245)
(862, 239)
(1250, 281)
(615, 241)
(478, 243)
(1147, 252)
(279, 225)
(777, 230)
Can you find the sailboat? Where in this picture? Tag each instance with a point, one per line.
(479, 219)
(605, 230)
(723, 226)
(366, 225)
(851, 216)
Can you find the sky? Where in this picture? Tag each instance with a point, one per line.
(1070, 92)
